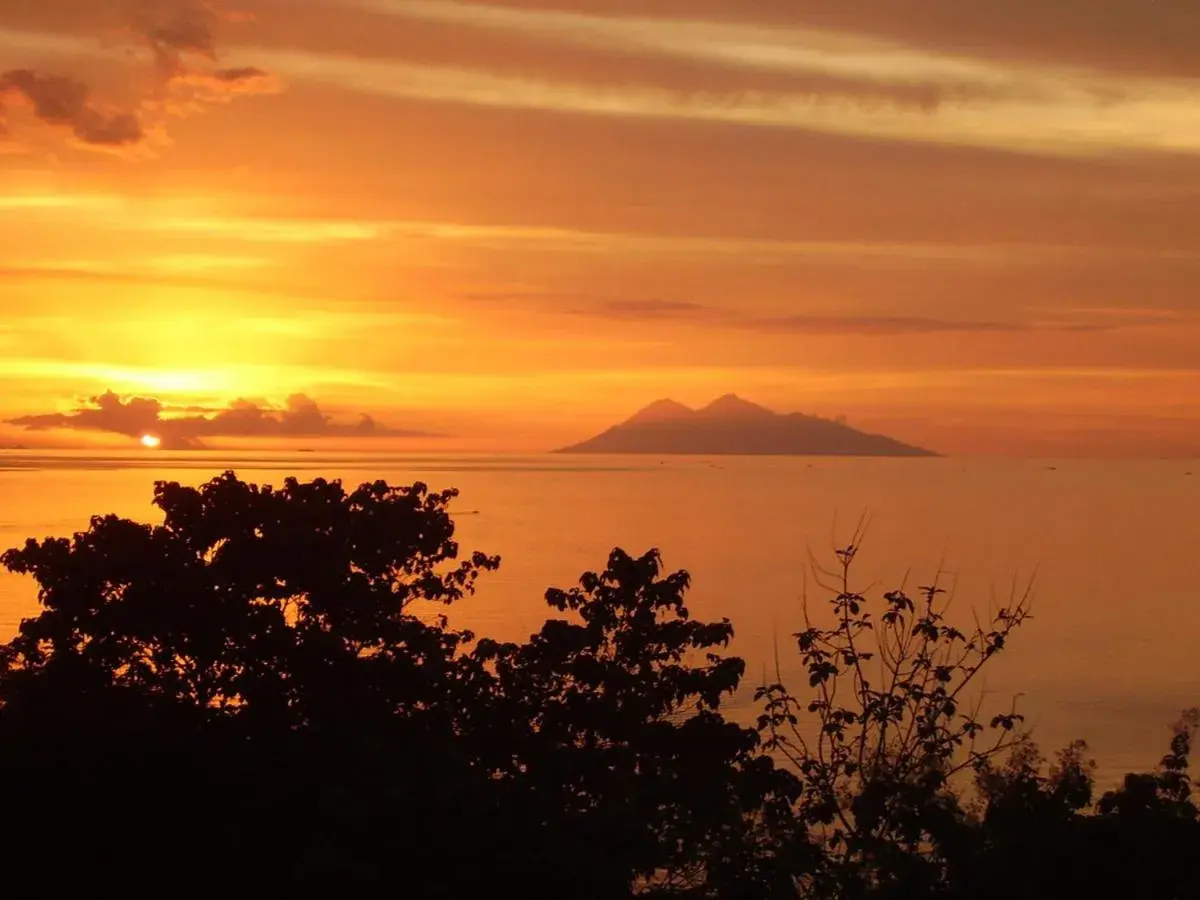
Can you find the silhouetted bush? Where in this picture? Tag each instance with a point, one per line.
(262, 693)
(909, 791)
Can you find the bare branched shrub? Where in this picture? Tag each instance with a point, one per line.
(890, 724)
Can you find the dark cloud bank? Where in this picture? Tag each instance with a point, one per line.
(300, 417)
(181, 37)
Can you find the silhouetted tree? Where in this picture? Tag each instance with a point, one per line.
(263, 680)
(264, 692)
(1041, 835)
(252, 669)
(625, 741)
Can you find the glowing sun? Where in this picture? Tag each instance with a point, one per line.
(151, 441)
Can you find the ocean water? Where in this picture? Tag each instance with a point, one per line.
(1111, 551)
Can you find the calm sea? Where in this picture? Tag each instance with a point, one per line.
(1112, 549)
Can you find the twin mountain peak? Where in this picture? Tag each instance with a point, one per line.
(733, 426)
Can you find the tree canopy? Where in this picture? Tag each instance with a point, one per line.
(265, 690)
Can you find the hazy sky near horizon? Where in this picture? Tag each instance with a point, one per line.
(972, 226)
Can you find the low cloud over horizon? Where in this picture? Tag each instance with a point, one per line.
(135, 417)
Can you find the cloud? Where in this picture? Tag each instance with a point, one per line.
(62, 101)
(180, 36)
(778, 48)
(657, 310)
(138, 214)
(820, 81)
(682, 311)
(849, 53)
(901, 325)
(299, 417)
(651, 309)
(875, 325)
(239, 78)
(654, 310)
(185, 29)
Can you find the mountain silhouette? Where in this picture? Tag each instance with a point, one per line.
(663, 411)
(732, 426)
(731, 406)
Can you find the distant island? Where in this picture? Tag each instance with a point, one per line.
(731, 426)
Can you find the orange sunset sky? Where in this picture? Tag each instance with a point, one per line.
(971, 225)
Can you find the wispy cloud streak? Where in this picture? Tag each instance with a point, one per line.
(192, 216)
(676, 312)
(1014, 106)
(781, 49)
(962, 101)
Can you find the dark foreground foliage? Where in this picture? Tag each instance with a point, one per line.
(263, 694)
